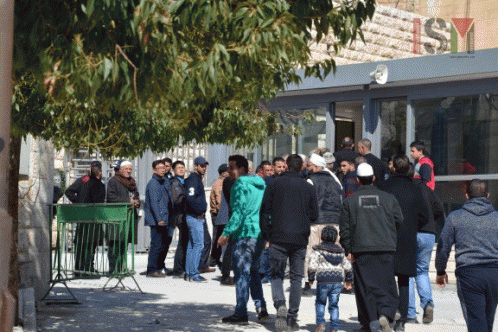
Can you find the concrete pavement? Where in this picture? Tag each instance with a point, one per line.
(170, 304)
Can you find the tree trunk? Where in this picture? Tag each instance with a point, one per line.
(13, 210)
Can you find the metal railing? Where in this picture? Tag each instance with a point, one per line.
(92, 242)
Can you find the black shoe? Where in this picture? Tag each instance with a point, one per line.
(306, 291)
(262, 314)
(227, 281)
(156, 274)
(399, 326)
(235, 320)
(428, 314)
(411, 321)
(178, 274)
(292, 324)
(281, 320)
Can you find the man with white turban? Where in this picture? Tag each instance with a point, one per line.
(329, 197)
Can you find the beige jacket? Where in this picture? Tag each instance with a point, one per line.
(215, 198)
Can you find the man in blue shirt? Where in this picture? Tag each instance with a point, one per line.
(196, 218)
(157, 212)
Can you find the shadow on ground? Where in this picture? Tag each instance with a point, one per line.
(118, 311)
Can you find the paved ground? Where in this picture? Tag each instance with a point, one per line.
(170, 304)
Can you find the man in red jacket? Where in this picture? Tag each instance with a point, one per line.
(424, 169)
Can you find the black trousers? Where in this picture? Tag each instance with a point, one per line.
(478, 293)
(204, 261)
(404, 295)
(159, 246)
(279, 254)
(226, 264)
(215, 250)
(181, 248)
(375, 286)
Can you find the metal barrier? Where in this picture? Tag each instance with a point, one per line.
(92, 242)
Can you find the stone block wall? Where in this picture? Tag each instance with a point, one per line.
(35, 199)
(388, 36)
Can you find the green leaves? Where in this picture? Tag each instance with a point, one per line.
(132, 75)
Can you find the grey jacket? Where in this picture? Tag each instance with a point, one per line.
(473, 230)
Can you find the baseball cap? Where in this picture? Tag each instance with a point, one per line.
(200, 161)
(364, 170)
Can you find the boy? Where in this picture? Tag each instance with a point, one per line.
(332, 269)
(424, 169)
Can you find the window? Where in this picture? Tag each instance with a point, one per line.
(461, 133)
(393, 130)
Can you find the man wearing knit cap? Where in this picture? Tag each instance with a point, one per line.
(368, 224)
(329, 197)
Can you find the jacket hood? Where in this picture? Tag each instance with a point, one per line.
(330, 247)
(479, 206)
(253, 180)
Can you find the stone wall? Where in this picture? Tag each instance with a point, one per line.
(35, 197)
(388, 36)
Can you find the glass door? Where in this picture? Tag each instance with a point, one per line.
(348, 121)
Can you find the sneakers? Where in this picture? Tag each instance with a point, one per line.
(227, 281)
(195, 279)
(381, 325)
(235, 320)
(292, 324)
(411, 321)
(428, 313)
(262, 314)
(156, 274)
(320, 328)
(281, 320)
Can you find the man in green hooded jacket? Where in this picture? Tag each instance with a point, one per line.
(243, 226)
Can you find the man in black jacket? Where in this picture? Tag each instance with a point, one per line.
(416, 216)
(288, 209)
(380, 169)
(177, 183)
(329, 196)
(368, 235)
(196, 219)
(87, 189)
(347, 152)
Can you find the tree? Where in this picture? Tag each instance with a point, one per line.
(124, 76)
(130, 75)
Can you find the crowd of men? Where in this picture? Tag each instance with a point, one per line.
(343, 220)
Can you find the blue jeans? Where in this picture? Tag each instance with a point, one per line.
(195, 245)
(264, 265)
(425, 243)
(245, 257)
(331, 292)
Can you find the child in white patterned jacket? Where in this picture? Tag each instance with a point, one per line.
(332, 272)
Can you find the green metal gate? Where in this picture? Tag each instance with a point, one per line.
(92, 242)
